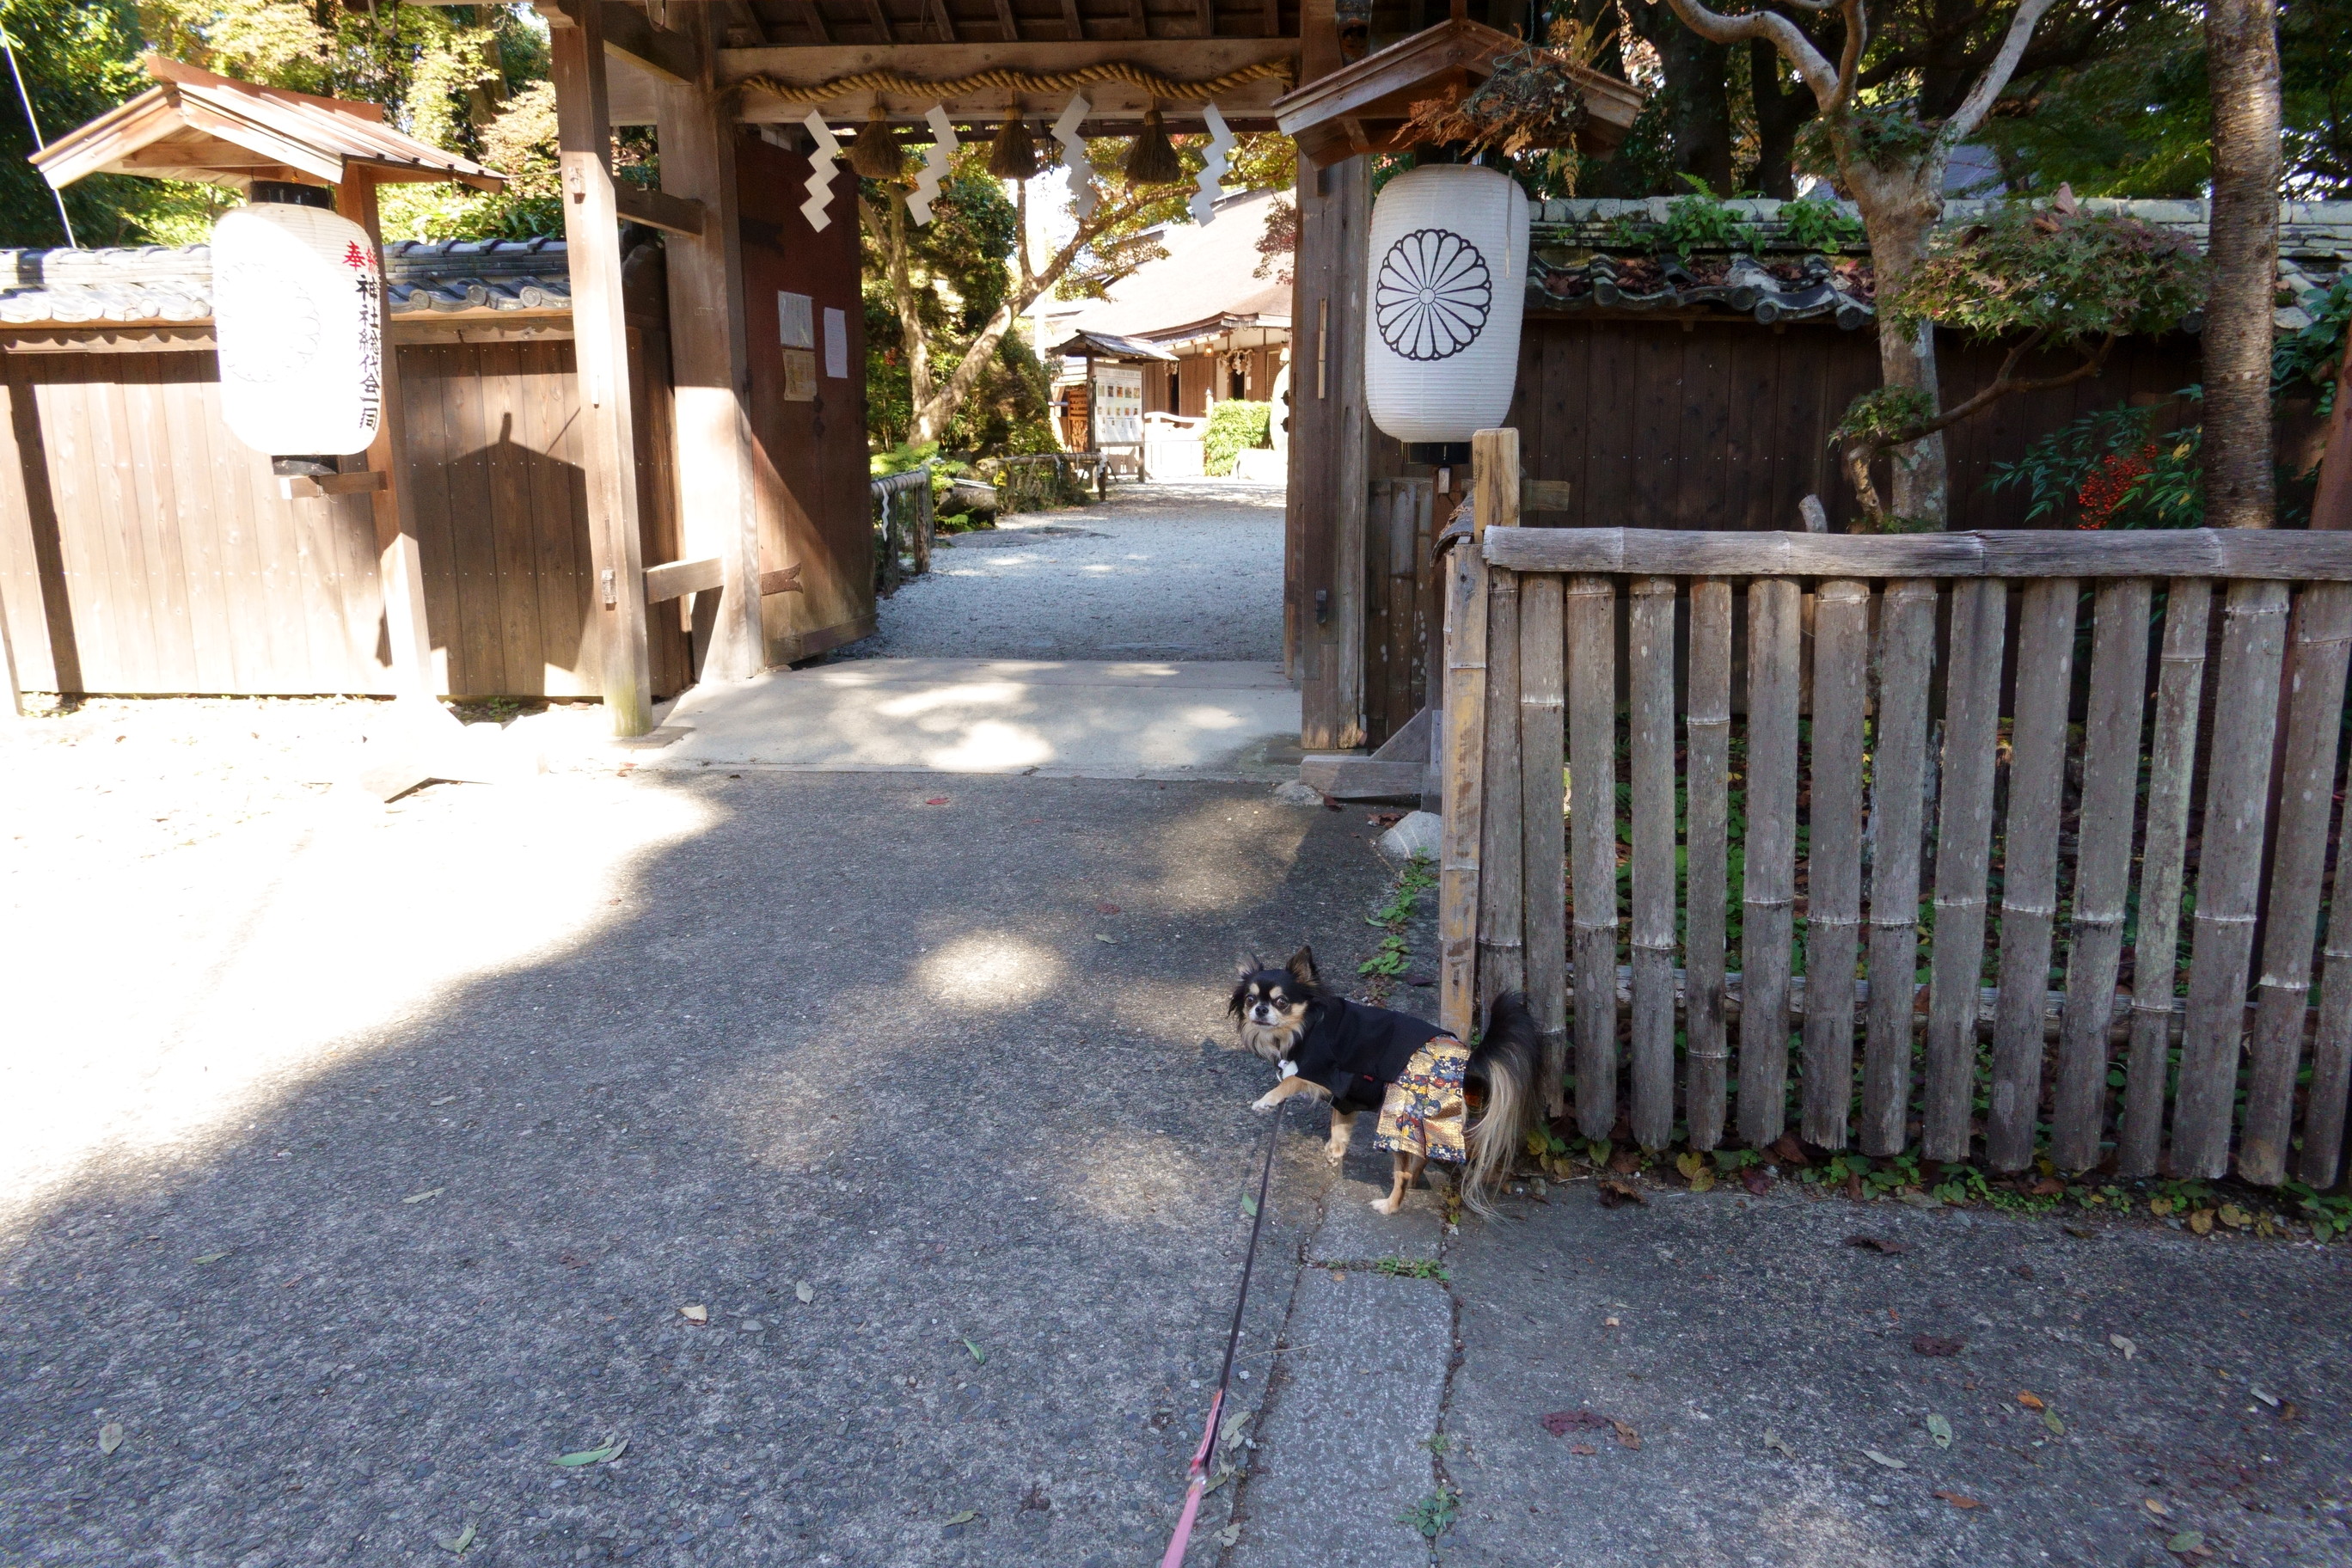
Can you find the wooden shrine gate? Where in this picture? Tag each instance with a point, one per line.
(1871, 776)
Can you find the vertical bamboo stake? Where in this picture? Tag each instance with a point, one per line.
(2172, 761)
(2229, 874)
(2029, 898)
(1907, 653)
(2102, 868)
(1707, 882)
(1542, 754)
(1466, 746)
(2331, 1049)
(1963, 843)
(1833, 886)
(2323, 625)
(1649, 654)
(1590, 613)
(1502, 962)
(1767, 904)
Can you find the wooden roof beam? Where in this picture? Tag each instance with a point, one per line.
(1073, 21)
(628, 32)
(1008, 28)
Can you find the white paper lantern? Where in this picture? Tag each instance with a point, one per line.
(1448, 285)
(298, 312)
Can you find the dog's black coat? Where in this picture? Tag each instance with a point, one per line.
(1356, 1051)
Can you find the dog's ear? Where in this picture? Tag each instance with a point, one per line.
(1249, 963)
(1302, 967)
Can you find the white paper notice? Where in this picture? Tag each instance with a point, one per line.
(794, 327)
(837, 345)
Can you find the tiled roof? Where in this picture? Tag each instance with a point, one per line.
(163, 284)
(1598, 254)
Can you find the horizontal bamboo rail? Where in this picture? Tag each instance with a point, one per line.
(1973, 776)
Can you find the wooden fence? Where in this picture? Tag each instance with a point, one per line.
(2036, 906)
(903, 523)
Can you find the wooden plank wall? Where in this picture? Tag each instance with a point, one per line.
(1726, 425)
(144, 550)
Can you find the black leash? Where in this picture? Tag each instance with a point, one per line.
(1199, 1484)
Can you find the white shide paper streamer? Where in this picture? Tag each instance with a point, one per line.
(821, 165)
(1073, 155)
(935, 165)
(1212, 164)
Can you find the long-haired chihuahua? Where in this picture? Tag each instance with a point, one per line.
(1411, 1072)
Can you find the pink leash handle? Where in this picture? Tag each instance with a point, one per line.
(1197, 1490)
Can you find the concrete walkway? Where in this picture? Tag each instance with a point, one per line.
(1159, 613)
(1060, 720)
(1185, 569)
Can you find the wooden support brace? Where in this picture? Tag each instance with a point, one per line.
(658, 209)
(665, 52)
(301, 486)
(675, 579)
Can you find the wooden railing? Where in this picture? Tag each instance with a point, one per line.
(1875, 778)
(903, 522)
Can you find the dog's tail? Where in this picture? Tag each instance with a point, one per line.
(1508, 1057)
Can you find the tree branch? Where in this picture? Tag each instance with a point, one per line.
(1782, 34)
(1978, 102)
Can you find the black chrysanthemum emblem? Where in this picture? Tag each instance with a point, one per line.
(1432, 297)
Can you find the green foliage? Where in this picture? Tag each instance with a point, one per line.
(2110, 469)
(2066, 275)
(79, 59)
(2329, 1213)
(2306, 360)
(1701, 221)
(1433, 1515)
(1819, 226)
(1887, 133)
(1233, 426)
(1410, 1267)
(1892, 415)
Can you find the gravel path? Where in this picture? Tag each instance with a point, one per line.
(1176, 570)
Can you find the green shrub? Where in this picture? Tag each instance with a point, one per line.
(1232, 428)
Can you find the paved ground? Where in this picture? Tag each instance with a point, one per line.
(1092, 719)
(380, 1178)
(1180, 569)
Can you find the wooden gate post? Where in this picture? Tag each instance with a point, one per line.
(400, 561)
(600, 348)
(1329, 485)
(709, 354)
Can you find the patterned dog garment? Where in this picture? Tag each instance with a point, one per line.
(1422, 1112)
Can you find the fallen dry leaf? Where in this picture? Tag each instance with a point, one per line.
(936, 800)
(427, 1193)
(1757, 1183)
(1560, 1423)
(1876, 1244)
(2201, 1222)
(2031, 1399)
(1773, 1440)
(109, 1438)
(2188, 1543)
(695, 1314)
(1931, 1345)
(806, 1291)
(1789, 1151)
(1889, 1461)
(2047, 1187)
(1626, 1435)
(2125, 1345)
(1957, 1500)
(966, 1517)
(1616, 1194)
(1610, 1324)
(1587, 1449)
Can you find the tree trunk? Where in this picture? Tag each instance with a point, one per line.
(1899, 206)
(2332, 507)
(910, 331)
(1699, 91)
(2241, 58)
(1779, 115)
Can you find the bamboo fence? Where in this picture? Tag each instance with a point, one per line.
(2030, 853)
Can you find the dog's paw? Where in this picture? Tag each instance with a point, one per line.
(1335, 1153)
(1382, 1205)
(1264, 1103)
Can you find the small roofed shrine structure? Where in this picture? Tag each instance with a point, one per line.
(197, 126)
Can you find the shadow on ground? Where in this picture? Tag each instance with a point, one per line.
(907, 1094)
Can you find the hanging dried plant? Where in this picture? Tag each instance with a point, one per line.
(1153, 161)
(1531, 101)
(876, 153)
(1013, 155)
